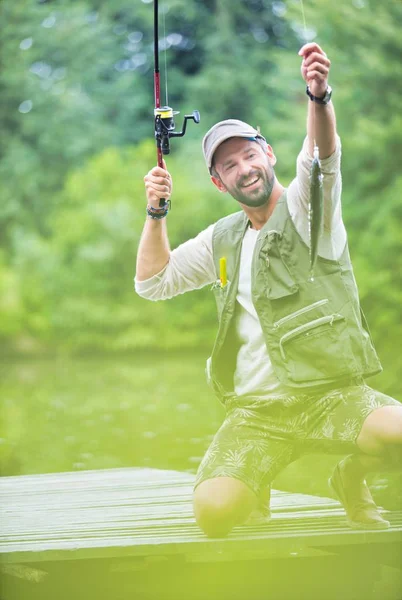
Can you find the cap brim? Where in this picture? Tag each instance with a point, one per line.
(224, 137)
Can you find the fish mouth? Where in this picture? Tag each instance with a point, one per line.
(253, 182)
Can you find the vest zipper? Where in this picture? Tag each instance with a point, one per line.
(306, 327)
(301, 311)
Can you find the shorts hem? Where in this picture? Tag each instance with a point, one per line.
(197, 483)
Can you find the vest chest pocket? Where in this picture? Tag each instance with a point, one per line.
(274, 272)
(221, 294)
(319, 349)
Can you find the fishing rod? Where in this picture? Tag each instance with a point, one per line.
(164, 115)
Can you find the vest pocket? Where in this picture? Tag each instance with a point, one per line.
(221, 294)
(317, 350)
(300, 312)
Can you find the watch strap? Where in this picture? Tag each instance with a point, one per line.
(324, 100)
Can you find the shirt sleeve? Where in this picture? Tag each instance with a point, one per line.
(190, 267)
(333, 239)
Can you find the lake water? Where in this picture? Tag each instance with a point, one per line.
(74, 414)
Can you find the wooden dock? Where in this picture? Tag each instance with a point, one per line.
(130, 534)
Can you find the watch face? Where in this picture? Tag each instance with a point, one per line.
(328, 95)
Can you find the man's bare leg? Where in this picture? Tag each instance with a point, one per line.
(380, 441)
(221, 503)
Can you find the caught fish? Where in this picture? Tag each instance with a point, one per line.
(315, 209)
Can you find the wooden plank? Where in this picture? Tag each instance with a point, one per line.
(146, 512)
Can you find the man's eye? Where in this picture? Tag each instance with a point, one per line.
(251, 155)
(229, 167)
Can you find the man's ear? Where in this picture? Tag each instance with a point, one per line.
(218, 183)
(271, 155)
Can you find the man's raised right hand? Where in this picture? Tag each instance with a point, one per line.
(158, 185)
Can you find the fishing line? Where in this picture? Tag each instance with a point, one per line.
(305, 40)
(304, 17)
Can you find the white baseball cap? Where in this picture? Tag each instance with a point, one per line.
(223, 131)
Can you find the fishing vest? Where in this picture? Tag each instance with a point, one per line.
(314, 329)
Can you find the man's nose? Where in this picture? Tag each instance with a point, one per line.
(244, 168)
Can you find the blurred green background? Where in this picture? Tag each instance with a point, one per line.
(92, 376)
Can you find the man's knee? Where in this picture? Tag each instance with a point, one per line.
(382, 428)
(221, 503)
(215, 518)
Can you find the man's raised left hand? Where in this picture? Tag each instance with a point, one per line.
(315, 68)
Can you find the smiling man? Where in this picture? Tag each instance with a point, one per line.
(246, 168)
(291, 355)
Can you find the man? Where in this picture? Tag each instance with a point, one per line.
(291, 353)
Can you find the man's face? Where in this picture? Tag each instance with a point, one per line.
(245, 171)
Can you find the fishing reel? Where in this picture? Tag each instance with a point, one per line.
(165, 126)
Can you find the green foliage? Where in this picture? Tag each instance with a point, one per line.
(80, 282)
(64, 97)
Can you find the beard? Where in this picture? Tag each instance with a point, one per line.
(256, 195)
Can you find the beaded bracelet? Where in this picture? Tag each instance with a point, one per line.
(158, 210)
(158, 213)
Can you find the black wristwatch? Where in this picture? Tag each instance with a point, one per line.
(324, 100)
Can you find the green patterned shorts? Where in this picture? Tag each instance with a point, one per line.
(259, 438)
